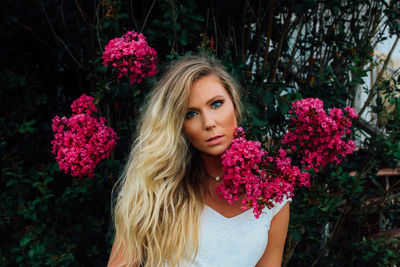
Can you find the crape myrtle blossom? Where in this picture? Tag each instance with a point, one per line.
(316, 137)
(261, 179)
(82, 141)
(131, 56)
(256, 176)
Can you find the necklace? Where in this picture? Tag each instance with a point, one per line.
(217, 178)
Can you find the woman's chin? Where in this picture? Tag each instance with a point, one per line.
(213, 153)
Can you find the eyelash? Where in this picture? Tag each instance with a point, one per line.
(220, 102)
(188, 117)
(191, 114)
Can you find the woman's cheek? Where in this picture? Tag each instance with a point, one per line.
(192, 130)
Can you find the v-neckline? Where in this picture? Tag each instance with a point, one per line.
(223, 216)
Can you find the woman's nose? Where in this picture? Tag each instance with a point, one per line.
(209, 121)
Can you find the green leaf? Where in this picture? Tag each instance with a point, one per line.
(39, 249)
(325, 209)
(31, 253)
(268, 99)
(24, 241)
(27, 127)
(37, 184)
(284, 108)
(49, 196)
(296, 235)
(19, 258)
(11, 182)
(36, 201)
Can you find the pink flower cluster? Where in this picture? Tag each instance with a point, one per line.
(318, 138)
(131, 56)
(82, 141)
(256, 177)
(261, 179)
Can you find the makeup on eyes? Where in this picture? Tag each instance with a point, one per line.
(213, 102)
(189, 115)
(220, 102)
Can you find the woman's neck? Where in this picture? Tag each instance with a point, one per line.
(212, 164)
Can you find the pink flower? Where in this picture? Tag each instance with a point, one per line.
(131, 56)
(260, 178)
(84, 104)
(317, 138)
(250, 173)
(82, 141)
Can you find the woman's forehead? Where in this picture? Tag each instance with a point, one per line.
(206, 88)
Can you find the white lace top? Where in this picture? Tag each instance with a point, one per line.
(239, 241)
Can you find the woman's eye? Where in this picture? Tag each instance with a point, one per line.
(190, 114)
(217, 104)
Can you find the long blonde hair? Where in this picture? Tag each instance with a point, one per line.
(159, 202)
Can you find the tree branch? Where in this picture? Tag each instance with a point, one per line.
(293, 50)
(334, 232)
(269, 32)
(283, 37)
(59, 39)
(378, 79)
(272, 92)
(151, 8)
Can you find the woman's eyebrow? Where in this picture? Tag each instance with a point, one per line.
(214, 98)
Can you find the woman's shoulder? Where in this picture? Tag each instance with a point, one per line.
(279, 205)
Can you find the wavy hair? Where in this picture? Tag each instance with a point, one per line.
(159, 202)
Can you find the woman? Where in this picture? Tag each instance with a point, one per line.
(167, 212)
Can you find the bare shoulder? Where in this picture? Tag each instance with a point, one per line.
(272, 256)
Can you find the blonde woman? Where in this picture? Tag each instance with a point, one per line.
(167, 212)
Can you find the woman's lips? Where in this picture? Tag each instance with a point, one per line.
(215, 139)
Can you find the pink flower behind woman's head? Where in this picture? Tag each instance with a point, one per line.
(131, 56)
(316, 137)
(82, 141)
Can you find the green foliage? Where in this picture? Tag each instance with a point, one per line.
(279, 51)
(369, 250)
(177, 26)
(49, 218)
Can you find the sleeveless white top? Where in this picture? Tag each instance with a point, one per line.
(239, 241)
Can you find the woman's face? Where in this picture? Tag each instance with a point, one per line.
(210, 119)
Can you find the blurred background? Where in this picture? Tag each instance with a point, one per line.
(343, 52)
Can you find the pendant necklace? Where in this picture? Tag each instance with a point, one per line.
(217, 178)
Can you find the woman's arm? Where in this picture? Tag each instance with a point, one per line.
(272, 256)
